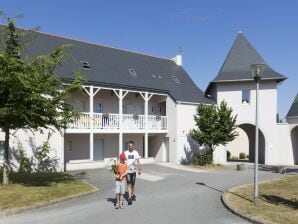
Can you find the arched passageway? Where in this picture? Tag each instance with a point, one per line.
(245, 142)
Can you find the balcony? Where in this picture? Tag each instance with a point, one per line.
(130, 122)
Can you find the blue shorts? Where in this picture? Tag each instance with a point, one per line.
(120, 187)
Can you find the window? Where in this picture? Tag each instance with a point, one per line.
(132, 73)
(175, 79)
(246, 96)
(1, 150)
(98, 108)
(85, 65)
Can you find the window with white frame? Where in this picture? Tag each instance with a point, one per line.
(246, 96)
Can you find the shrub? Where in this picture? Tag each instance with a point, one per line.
(228, 155)
(24, 161)
(203, 158)
(242, 155)
(234, 158)
(247, 156)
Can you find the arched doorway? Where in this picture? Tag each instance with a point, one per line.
(245, 142)
(294, 138)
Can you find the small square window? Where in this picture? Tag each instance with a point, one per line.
(246, 96)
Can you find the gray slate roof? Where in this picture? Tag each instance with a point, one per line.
(236, 66)
(110, 68)
(293, 112)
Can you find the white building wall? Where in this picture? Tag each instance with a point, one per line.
(157, 148)
(232, 93)
(172, 129)
(31, 142)
(284, 145)
(185, 123)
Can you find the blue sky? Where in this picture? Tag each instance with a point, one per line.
(204, 29)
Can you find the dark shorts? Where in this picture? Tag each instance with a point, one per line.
(131, 178)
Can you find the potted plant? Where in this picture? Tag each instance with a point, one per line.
(136, 117)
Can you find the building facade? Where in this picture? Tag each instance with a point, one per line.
(152, 101)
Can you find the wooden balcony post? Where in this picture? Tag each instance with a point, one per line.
(146, 124)
(91, 111)
(120, 120)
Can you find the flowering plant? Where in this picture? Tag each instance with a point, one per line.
(114, 168)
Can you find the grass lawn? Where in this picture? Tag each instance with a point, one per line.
(278, 201)
(40, 188)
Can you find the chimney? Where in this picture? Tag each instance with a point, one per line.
(178, 58)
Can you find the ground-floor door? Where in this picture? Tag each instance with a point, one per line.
(98, 150)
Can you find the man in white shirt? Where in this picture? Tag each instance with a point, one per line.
(133, 163)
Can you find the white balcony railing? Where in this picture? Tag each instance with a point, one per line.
(112, 122)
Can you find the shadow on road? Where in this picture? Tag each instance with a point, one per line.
(203, 184)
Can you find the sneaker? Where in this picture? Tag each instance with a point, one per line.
(121, 205)
(133, 197)
(129, 201)
(116, 206)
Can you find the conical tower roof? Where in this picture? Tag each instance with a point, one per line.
(293, 112)
(237, 65)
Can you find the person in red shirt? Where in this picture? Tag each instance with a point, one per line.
(120, 178)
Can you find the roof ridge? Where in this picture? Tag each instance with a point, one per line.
(93, 43)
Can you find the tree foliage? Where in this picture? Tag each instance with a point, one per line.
(30, 91)
(215, 125)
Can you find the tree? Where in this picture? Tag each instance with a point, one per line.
(30, 91)
(214, 126)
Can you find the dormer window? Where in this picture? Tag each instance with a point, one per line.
(85, 65)
(175, 79)
(132, 73)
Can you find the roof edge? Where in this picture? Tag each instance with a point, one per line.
(92, 43)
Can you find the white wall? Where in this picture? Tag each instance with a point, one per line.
(232, 93)
(157, 147)
(171, 109)
(185, 123)
(31, 142)
(284, 154)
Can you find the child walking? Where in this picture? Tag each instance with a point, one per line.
(120, 178)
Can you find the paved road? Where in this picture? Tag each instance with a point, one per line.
(164, 195)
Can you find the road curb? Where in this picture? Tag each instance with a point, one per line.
(51, 203)
(231, 209)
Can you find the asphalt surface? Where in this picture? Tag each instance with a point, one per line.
(164, 195)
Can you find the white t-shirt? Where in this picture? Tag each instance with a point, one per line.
(131, 160)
